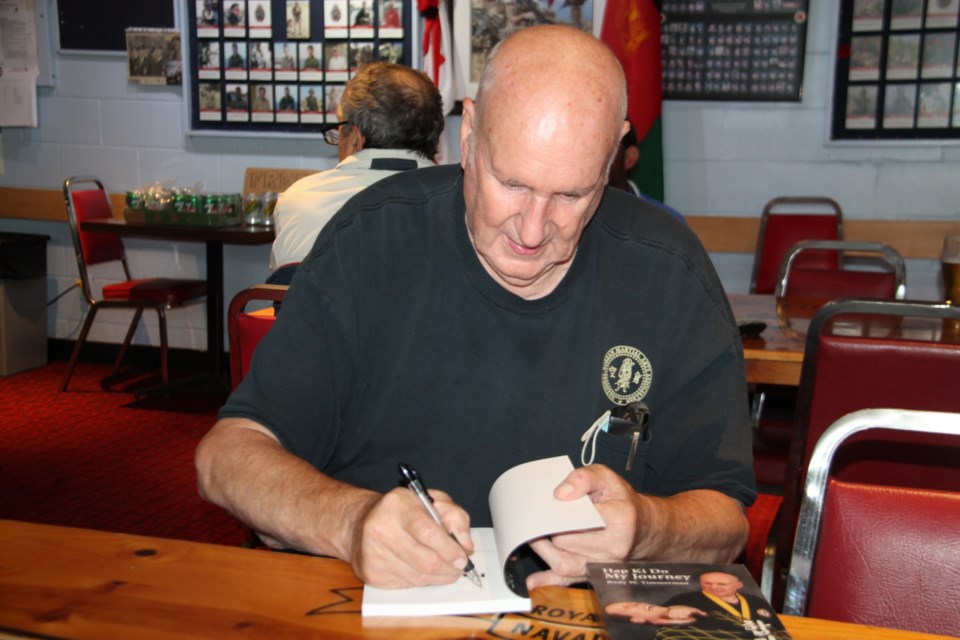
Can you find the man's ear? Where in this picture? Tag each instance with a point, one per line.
(630, 157)
(356, 139)
(467, 122)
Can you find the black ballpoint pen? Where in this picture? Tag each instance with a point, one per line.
(410, 477)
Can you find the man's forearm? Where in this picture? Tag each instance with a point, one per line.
(694, 526)
(242, 468)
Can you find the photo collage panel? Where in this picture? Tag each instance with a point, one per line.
(897, 70)
(738, 51)
(282, 65)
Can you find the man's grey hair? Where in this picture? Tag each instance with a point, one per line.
(395, 107)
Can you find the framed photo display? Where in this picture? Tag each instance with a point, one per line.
(896, 71)
(733, 50)
(281, 65)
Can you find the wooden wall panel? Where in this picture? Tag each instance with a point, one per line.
(721, 234)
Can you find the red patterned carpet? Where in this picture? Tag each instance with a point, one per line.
(96, 459)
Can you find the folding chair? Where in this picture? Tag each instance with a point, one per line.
(781, 230)
(86, 199)
(884, 555)
(859, 356)
(886, 280)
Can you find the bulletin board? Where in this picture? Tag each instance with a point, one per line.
(99, 25)
(896, 72)
(733, 49)
(281, 65)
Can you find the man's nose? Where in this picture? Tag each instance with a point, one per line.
(533, 220)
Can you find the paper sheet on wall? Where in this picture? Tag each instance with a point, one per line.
(19, 64)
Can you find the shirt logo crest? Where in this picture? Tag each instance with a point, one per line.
(626, 375)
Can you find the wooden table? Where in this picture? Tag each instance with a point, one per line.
(776, 356)
(59, 582)
(214, 238)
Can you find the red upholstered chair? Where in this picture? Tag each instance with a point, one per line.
(246, 328)
(758, 552)
(883, 555)
(784, 222)
(886, 280)
(857, 356)
(820, 219)
(86, 199)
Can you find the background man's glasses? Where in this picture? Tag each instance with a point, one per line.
(332, 135)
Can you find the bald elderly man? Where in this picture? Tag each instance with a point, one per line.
(466, 319)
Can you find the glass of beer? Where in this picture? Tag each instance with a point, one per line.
(950, 263)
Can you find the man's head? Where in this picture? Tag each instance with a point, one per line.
(722, 585)
(310, 50)
(390, 106)
(536, 148)
(262, 91)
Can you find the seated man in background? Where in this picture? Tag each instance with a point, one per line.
(466, 319)
(623, 165)
(391, 120)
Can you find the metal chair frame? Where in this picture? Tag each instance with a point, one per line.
(878, 250)
(811, 510)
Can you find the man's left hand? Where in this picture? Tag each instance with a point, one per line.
(568, 553)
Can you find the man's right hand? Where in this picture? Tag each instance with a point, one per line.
(396, 543)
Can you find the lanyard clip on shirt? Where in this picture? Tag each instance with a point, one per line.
(629, 420)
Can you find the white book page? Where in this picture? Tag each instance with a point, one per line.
(522, 506)
(461, 597)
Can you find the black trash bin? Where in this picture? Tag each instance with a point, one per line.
(23, 301)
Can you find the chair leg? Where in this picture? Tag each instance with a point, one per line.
(75, 355)
(164, 371)
(126, 341)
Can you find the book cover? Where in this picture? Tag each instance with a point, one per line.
(522, 508)
(683, 601)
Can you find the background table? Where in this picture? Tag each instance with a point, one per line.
(76, 583)
(214, 238)
(776, 356)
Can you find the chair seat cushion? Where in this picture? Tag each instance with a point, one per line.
(156, 290)
(888, 556)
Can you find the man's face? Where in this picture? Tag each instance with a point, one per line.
(722, 585)
(529, 196)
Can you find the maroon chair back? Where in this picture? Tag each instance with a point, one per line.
(96, 248)
(852, 362)
(888, 556)
(818, 283)
(780, 231)
(245, 330)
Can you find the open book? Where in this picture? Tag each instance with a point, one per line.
(522, 508)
